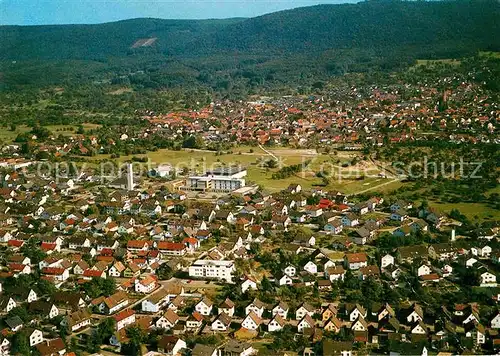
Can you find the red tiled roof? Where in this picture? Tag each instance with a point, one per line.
(16, 266)
(92, 273)
(16, 243)
(136, 243)
(171, 246)
(46, 246)
(53, 270)
(190, 240)
(124, 314)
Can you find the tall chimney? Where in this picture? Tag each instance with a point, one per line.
(453, 238)
(130, 177)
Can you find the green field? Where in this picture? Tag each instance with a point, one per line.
(471, 210)
(427, 62)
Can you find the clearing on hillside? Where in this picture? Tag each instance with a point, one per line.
(144, 42)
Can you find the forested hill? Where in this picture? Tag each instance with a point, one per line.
(372, 24)
(434, 26)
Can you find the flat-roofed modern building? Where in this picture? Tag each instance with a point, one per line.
(223, 179)
(222, 270)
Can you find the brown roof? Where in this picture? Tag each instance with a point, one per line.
(171, 316)
(257, 320)
(356, 257)
(51, 347)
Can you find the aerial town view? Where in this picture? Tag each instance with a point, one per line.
(277, 180)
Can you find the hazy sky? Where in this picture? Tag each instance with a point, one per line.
(41, 12)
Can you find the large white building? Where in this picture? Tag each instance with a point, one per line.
(222, 270)
(224, 179)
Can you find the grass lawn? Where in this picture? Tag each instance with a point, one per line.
(8, 136)
(468, 209)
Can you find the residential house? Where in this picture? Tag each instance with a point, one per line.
(304, 309)
(168, 320)
(221, 323)
(256, 306)
(355, 261)
(124, 318)
(171, 345)
(77, 320)
(252, 321)
(145, 284)
(276, 324)
(204, 306)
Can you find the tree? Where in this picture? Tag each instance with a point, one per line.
(271, 163)
(20, 344)
(164, 272)
(266, 285)
(30, 249)
(20, 312)
(46, 288)
(136, 337)
(100, 286)
(108, 286)
(106, 329)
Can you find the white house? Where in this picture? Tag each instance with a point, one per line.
(256, 306)
(171, 345)
(335, 273)
(495, 322)
(304, 309)
(145, 284)
(277, 323)
(446, 271)
(227, 307)
(36, 337)
(248, 283)
(424, 270)
(251, 322)
(415, 315)
(284, 280)
(419, 328)
(116, 270)
(305, 323)
(290, 271)
(221, 323)
(311, 267)
(204, 306)
(488, 280)
(356, 312)
(356, 260)
(387, 260)
(359, 325)
(281, 309)
(124, 318)
(168, 320)
(484, 251)
(59, 274)
(470, 262)
(156, 301)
